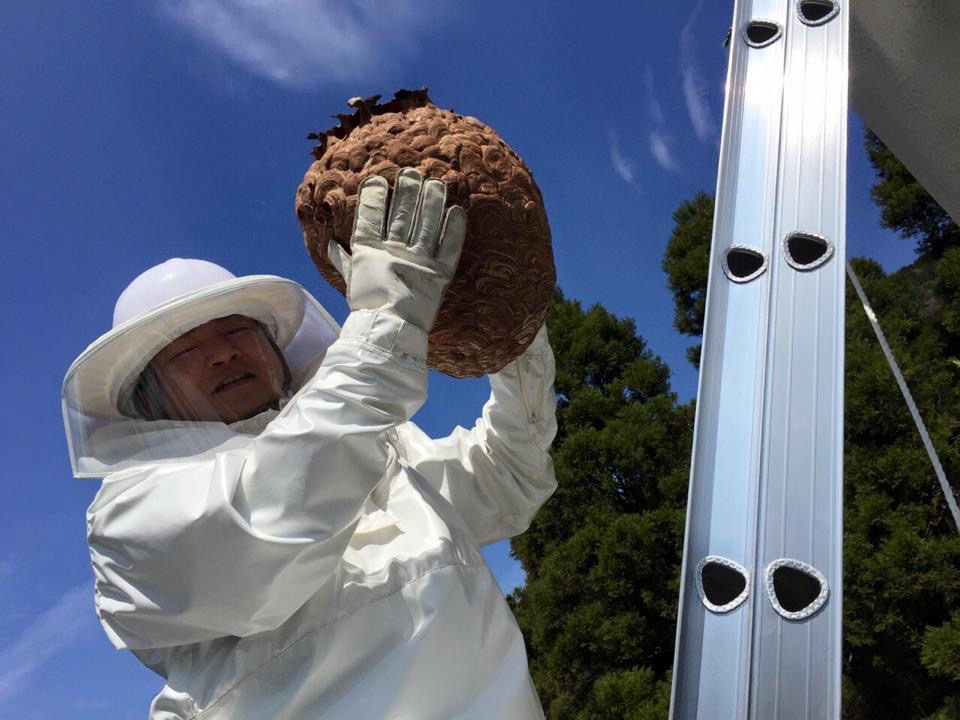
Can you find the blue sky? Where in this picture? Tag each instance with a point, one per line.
(132, 132)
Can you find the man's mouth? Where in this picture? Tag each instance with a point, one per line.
(232, 381)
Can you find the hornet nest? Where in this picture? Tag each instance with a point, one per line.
(499, 296)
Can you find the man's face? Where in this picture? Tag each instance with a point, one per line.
(224, 370)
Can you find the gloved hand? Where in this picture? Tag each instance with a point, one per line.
(401, 263)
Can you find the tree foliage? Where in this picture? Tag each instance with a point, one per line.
(906, 206)
(685, 262)
(901, 549)
(603, 556)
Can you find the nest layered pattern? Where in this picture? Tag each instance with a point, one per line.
(499, 296)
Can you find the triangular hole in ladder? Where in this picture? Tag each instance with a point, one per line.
(743, 263)
(806, 249)
(760, 32)
(815, 11)
(795, 589)
(721, 584)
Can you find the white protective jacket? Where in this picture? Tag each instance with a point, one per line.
(330, 567)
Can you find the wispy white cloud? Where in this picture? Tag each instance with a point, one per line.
(659, 142)
(48, 634)
(660, 149)
(654, 109)
(694, 88)
(621, 164)
(307, 43)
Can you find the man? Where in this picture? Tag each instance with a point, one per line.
(272, 535)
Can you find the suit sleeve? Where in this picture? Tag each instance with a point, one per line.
(499, 473)
(235, 544)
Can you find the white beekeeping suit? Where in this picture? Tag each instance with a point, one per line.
(319, 558)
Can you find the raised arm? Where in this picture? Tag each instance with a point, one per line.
(499, 473)
(235, 544)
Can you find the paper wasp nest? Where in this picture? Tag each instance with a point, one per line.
(504, 283)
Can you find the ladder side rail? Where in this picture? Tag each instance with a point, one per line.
(796, 654)
(712, 658)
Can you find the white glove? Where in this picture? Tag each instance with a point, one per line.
(402, 263)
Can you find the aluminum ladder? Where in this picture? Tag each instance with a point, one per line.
(760, 612)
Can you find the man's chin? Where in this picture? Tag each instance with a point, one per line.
(232, 415)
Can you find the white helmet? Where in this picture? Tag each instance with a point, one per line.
(158, 307)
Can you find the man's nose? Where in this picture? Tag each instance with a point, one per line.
(221, 352)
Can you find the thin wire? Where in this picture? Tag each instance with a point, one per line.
(937, 468)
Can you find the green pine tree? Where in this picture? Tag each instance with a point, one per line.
(901, 549)
(906, 206)
(685, 262)
(603, 555)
